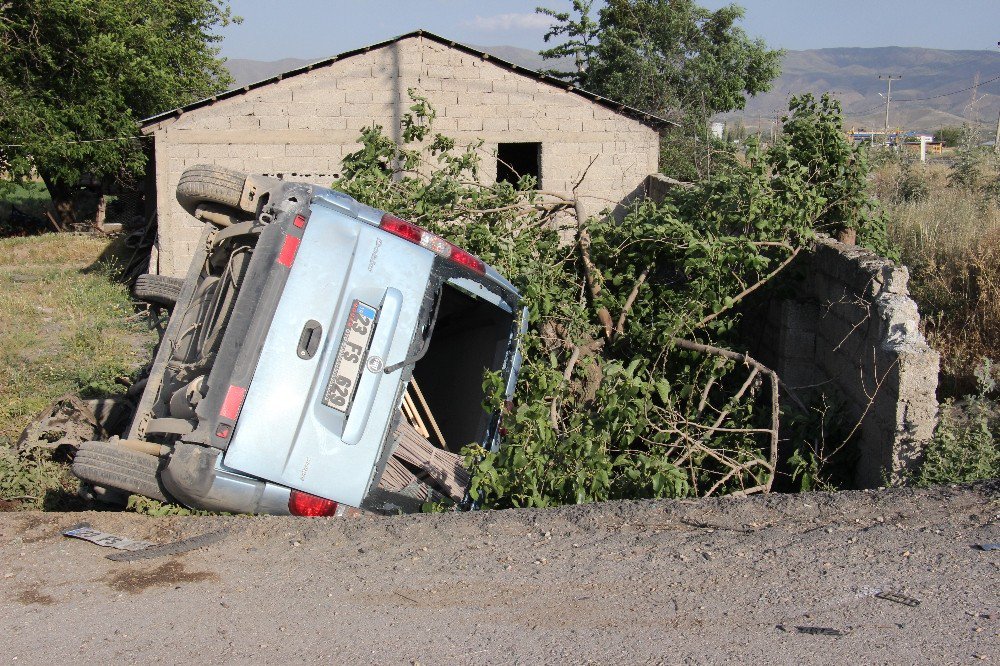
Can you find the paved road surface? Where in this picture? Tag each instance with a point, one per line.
(710, 581)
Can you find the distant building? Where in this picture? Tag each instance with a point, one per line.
(718, 129)
(300, 124)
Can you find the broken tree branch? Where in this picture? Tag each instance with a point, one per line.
(747, 360)
(590, 271)
(630, 301)
(749, 290)
(567, 374)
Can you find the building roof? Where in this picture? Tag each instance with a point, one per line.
(643, 117)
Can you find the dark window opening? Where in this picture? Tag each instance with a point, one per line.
(515, 160)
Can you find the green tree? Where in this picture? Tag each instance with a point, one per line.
(813, 137)
(77, 75)
(672, 58)
(581, 33)
(660, 402)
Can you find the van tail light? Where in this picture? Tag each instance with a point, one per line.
(233, 402)
(287, 254)
(432, 242)
(304, 504)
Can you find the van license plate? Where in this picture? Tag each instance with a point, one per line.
(353, 347)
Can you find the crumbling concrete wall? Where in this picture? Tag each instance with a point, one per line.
(848, 324)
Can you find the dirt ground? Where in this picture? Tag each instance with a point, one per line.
(707, 581)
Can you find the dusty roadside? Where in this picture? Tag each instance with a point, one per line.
(705, 581)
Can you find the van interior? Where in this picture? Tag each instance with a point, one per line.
(471, 336)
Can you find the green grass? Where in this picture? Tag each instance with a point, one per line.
(66, 326)
(31, 198)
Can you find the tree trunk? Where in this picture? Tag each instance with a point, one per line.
(102, 211)
(62, 200)
(848, 236)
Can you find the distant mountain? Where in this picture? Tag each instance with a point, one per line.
(851, 74)
(250, 71)
(935, 80)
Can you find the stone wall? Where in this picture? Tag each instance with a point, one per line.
(302, 126)
(851, 326)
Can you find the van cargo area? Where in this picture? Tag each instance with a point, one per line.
(470, 337)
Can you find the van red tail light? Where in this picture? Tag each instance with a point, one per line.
(432, 242)
(287, 254)
(233, 402)
(304, 504)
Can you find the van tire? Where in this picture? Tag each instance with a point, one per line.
(112, 466)
(206, 183)
(158, 289)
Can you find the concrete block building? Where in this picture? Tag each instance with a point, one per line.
(300, 124)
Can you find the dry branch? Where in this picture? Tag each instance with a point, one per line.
(759, 367)
(752, 288)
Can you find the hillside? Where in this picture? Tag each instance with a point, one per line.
(850, 73)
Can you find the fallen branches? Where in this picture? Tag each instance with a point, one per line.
(775, 405)
(749, 290)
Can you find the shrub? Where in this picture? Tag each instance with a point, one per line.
(965, 447)
(632, 384)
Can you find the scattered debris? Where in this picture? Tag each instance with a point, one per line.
(142, 550)
(175, 548)
(64, 425)
(898, 598)
(821, 631)
(87, 533)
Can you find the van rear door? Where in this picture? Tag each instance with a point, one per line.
(316, 412)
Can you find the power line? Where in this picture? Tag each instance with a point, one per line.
(923, 99)
(954, 92)
(68, 143)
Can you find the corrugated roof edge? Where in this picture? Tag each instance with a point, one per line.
(628, 111)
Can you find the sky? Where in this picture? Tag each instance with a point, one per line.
(314, 29)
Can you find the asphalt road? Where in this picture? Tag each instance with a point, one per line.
(779, 579)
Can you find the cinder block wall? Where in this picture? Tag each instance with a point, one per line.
(302, 126)
(852, 326)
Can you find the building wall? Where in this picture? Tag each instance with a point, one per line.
(300, 128)
(852, 327)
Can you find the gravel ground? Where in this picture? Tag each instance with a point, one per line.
(707, 581)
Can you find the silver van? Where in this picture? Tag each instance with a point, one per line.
(278, 382)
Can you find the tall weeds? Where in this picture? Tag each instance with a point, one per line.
(949, 237)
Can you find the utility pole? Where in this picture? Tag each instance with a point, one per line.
(996, 141)
(888, 78)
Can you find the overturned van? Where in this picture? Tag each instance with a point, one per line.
(311, 337)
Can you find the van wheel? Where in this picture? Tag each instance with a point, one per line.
(211, 184)
(111, 466)
(158, 289)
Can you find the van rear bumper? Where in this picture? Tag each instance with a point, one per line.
(195, 478)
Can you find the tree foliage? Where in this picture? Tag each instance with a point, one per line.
(813, 138)
(672, 58)
(77, 75)
(580, 31)
(634, 383)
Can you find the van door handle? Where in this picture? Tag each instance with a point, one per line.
(309, 340)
